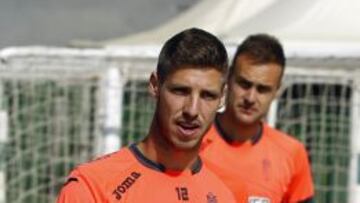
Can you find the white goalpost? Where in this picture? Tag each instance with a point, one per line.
(113, 107)
(354, 170)
(3, 138)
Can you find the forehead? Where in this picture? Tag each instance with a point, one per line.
(195, 77)
(264, 73)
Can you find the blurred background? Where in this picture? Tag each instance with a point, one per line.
(54, 22)
(73, 82)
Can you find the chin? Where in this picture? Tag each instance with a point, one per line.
(246, 119)
(187, 146)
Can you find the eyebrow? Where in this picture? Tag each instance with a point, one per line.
(239, 77)
(184, 86)
(213, 92)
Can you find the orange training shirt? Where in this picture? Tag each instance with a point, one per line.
(274, 167)
(128, 176)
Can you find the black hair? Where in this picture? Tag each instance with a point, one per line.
(193, 47)
(261, 48)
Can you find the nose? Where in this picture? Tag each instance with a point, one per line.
(191, 108)
(251, 95)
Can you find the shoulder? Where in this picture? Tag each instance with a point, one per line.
(212, 136)
(74, 191)
(102, 177)
(120, 159)
(106, 168)
(212, 133)
(98, 178)
(282, 140)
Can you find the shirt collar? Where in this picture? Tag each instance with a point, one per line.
(195, 168)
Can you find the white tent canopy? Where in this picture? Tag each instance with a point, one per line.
(215, 16)
(306, 20)
(306, 28)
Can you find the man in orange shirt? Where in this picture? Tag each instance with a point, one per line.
(241, 148)
(165, 166)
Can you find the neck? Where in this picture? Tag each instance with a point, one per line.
(238, 131)
(157, 148)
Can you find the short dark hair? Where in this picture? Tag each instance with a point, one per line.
(192, 47)
(261, 48)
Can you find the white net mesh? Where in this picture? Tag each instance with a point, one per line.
(316, 108)
(54, 102)
(53, 121)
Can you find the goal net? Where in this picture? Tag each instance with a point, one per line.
(62, 107)
(53, 104)
(315, 106)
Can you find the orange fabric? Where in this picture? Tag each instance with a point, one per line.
(120, 177)
(275, 168)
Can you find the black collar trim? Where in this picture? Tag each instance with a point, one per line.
(227, 137)
(145, 161)
(196, 167)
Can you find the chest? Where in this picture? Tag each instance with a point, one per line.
(265, 171)
(156, 187)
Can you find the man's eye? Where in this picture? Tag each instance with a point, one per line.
(180, 91)
(209, 95)
(263, 89)
(244, 84)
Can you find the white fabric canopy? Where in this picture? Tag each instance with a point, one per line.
(306, 27)
(212, 15)
(306, 20)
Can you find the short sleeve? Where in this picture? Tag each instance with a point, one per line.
(75, 191)
(301, 188)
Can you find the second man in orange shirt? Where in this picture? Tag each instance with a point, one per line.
(241, 148)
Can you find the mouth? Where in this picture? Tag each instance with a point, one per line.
(188, 129)
(247, 110)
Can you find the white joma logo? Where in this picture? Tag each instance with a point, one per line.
(254, 199)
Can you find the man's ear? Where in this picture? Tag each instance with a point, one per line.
(154, 85)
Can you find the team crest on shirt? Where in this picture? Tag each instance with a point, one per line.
(266, 167)
(211, 198)
(255, 199)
